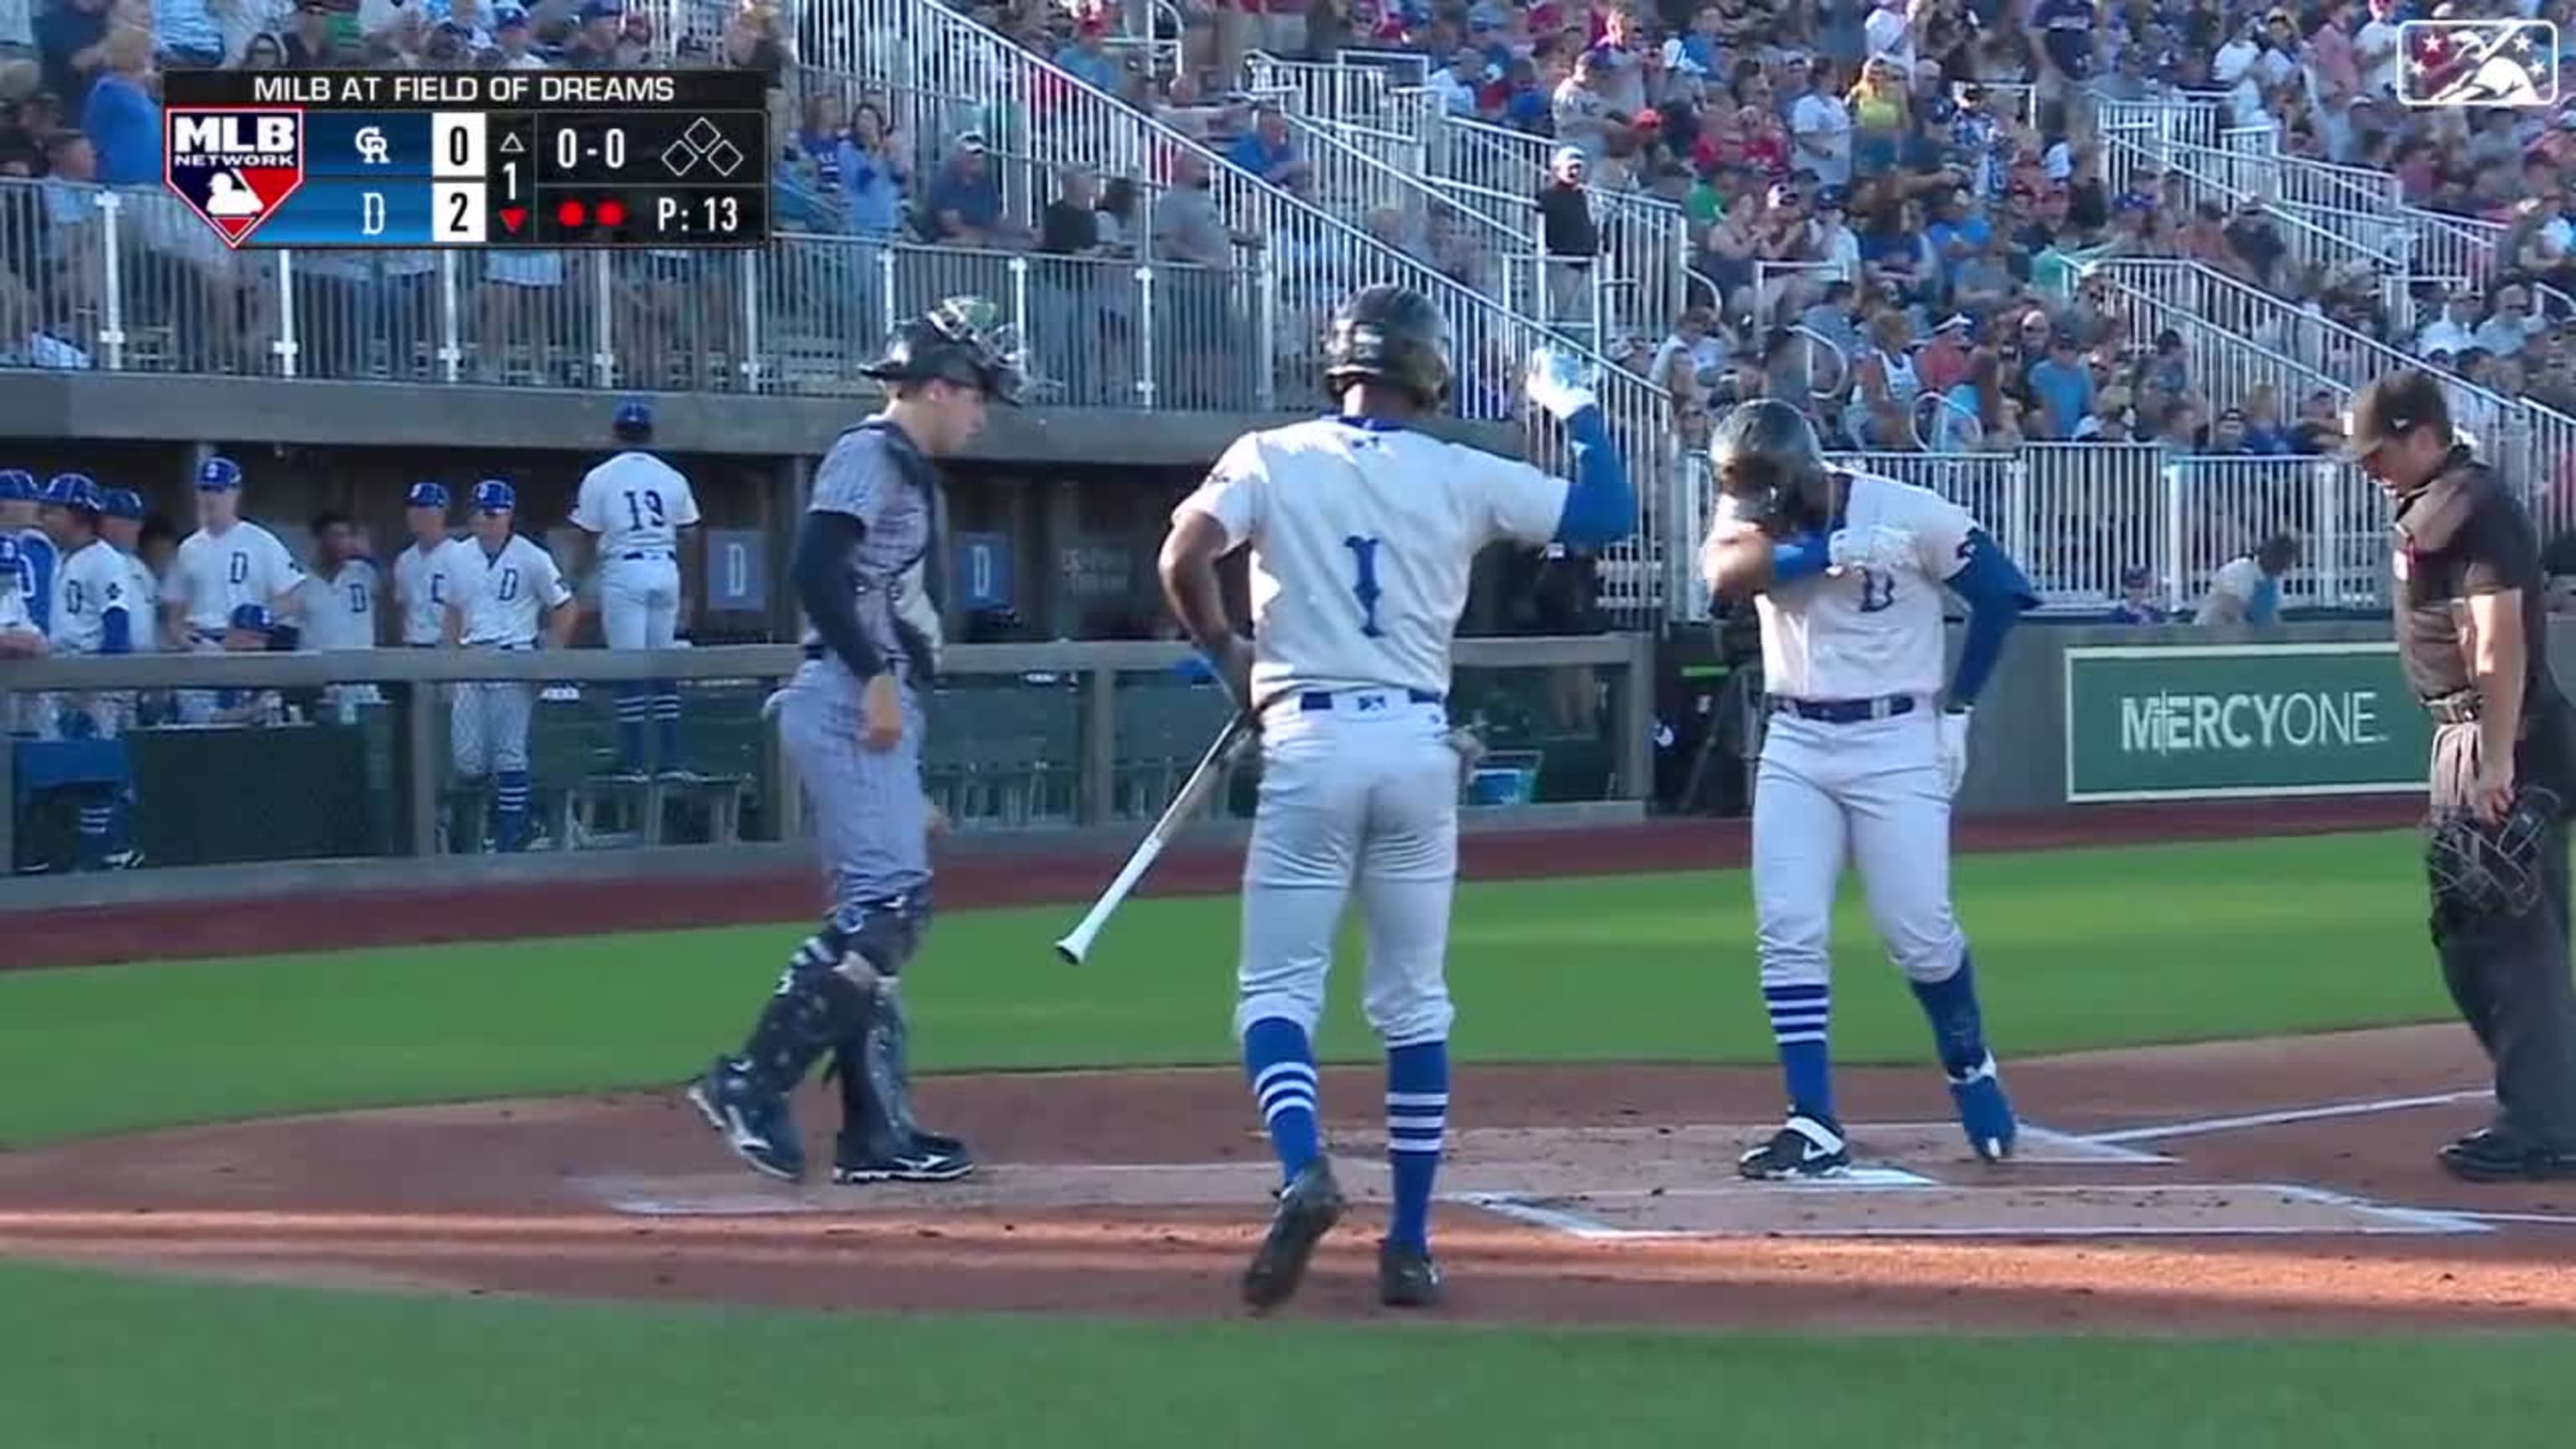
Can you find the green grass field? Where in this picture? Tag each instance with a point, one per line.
(2077, 949)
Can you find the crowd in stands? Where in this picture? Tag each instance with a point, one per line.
(1891, 204)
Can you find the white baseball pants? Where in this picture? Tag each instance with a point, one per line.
(1362, 789)
(1872, 789)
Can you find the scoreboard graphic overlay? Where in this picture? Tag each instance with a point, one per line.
(327, 159)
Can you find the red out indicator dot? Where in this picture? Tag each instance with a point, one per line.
(612, 213)
(571, 213)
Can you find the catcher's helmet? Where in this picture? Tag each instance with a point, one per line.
(1393, 335)
(961, 341)
(1765, 454)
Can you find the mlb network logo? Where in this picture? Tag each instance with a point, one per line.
(2478, 63)
(234, 165)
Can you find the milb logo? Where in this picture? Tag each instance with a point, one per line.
(235, 165)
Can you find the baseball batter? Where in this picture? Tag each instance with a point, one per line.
(1362, 535)
(1860, 754)
(851, 723)
(420, 584)
(633, 506)
(228, 562)
(500, 588)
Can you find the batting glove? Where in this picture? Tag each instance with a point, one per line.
(1953, 727)
(1876, 547)
(1557, 383)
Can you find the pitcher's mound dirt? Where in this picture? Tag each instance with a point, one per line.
(1594, 1194)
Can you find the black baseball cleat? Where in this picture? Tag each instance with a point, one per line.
(2500, 1154)
(930, 1158)
(761, 1133)
(1804, 1148)
(1407, 1277)
(1308, 1207)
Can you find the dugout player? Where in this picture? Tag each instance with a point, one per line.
(851, 723)
(2473, 634)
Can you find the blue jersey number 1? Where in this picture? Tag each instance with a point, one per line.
(1364, 586)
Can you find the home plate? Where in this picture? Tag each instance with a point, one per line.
(1863, 1209)
(1611, 1153)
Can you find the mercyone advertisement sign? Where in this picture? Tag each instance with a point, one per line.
(2226, 721)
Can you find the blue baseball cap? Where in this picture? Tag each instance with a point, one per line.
(17, 485)
(75, 490)
(494, 496)
(218, 475)
(634, 413)
(426, 495)
(254, 617)
(122, 503)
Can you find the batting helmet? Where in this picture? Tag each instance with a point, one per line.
(634, 419)
(1393, 335)
(961, 341)
(1765, 454)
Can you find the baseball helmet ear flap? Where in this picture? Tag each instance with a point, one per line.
(1393, 335)
(1765, 455)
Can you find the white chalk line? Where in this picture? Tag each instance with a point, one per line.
(2204, 1126)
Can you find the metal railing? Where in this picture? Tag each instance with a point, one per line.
(1305, 258)
(2079, 516)
(1348, 89)
(1019, 737)
(1647, 237)
(2305, 242)
(123, 291)
(2342, 357)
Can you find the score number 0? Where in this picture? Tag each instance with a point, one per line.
(612, 148)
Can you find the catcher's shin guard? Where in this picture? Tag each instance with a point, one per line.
(815, 1006)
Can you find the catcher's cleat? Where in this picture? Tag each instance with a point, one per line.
(760, 1132)
(1804, 1148)
(1308, 1207)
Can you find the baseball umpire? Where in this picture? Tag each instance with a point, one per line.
(851, 724)
(2474, 638)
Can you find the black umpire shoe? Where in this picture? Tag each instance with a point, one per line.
(1308, 1207)
(2500, 1154)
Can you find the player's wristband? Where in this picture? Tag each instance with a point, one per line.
(1797, 558)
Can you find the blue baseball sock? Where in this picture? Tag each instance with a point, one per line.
(1799, 1016)
(666, 723)
(510, 807)
(634, 706)
(95, 817)
(1280, 1062)
(1417, 1121)
(1958, 1027)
